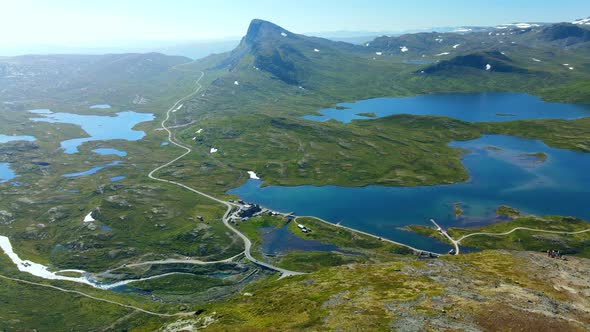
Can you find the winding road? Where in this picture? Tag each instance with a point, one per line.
(171, 261)
(98, 298)
(230, 206)
(369, 234)
(525, 229)
(444, 233)
(456, 243)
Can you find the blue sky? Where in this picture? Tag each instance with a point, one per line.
(85, 21)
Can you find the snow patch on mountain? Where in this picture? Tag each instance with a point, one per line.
(585, 21)
(88, 217)
(253, 175)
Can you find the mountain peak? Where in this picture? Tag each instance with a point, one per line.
(260, 29)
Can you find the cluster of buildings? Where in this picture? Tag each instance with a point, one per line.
(303, 228)
(248, 211)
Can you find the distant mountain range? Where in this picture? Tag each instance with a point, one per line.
(297, 59)
(196, 49)
(532, 57)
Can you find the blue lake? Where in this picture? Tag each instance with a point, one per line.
(91, 171)
(6, 173)
(500, 173)
(476, 107)
(6, 138)
(99, 128)
(106, 152)
(117, 178)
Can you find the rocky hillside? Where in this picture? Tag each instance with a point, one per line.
(488, 291)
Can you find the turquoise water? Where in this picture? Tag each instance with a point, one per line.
(91, 171)
(99, 128)
(117, 178)
(106, 152)
(476, 107)
(499, 175)
(6, 138)
(6, 173)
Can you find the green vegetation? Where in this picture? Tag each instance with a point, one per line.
(457, 209)
(398, 150)
(344, 238)
(311, 261)
(368, 114)
(180, 287)
(506, 235)
(152, 220)
(352, 247)
(69, 274)
(507, 211)
(570, 244)
(563, 134)
(52, 310)
(252, 228)
(454, 293)
(426, 231)
(29, 307)
(576, 92)
(539, 156)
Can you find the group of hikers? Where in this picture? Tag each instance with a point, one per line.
(554, 253)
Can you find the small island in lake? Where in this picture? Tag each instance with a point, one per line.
(539, 156)
(457, 209)
(368, 114)
(507, 211)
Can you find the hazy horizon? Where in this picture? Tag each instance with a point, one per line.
(66, 26)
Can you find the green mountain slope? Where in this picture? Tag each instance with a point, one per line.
(491, 61)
